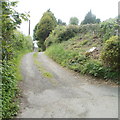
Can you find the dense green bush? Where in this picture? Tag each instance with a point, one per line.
(94, 68)
(21, 41)
(11, 75)
(53, 37)
(61, 33)
(111, 53)
(9, 90)
(70, 32)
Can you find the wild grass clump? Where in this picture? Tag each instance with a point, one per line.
(58, 53)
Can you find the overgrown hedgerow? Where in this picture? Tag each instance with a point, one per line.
(9, 90)
(14, 45)
(11, 75)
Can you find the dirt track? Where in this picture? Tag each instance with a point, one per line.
(65, 94)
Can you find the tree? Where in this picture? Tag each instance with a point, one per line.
(90, 18)
(13, 43)
(59, 22)
(34, 32)
(10, 21)
(97, 20)
(74, 21)
(45, 26)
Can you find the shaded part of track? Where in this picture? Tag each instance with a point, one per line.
(65, 95)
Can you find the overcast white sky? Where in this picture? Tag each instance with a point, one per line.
(64, 9)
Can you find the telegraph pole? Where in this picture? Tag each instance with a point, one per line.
(29, 25)
(29, 28)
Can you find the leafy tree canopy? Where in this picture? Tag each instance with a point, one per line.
(10, 20)
(60, 22)
(90, 18)
(42, 30)
(34, 32)
(74, 21)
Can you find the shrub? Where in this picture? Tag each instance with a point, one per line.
(94, 68)
(20, 41)
(111, 53)
(70, 32)
(53, 37)
(9, 90)
(76, 62)
(61, 33)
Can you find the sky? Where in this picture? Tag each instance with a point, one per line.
(65, 9)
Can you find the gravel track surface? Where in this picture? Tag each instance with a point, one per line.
(65, 95)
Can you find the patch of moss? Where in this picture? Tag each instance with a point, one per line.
(48, 75)
(44, 72)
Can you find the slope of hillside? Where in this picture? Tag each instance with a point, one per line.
(82, 50)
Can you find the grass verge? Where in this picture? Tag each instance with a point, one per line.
(80, 63)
